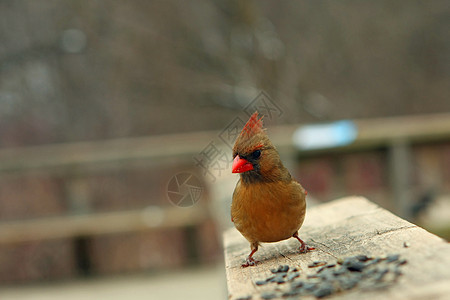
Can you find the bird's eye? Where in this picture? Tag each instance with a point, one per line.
(256, 154)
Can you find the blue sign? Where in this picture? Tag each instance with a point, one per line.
(322, 136)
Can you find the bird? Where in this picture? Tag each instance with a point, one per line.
(268, 205)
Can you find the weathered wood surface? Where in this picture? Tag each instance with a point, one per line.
(342, 228)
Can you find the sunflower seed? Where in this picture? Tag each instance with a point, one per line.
(317, 264)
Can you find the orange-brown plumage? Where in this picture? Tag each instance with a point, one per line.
(268, 205)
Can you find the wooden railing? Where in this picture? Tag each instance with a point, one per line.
(396, 133)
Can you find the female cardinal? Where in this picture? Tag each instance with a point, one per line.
(268, 205)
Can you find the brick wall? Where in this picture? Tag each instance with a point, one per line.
(43, 195)
(329, 176)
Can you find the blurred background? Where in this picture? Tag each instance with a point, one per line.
(116, 120)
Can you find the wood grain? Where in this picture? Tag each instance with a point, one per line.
(342, 228)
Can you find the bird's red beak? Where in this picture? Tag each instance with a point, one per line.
(240, 165)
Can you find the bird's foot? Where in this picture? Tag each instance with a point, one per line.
(249, 262)
(305, 248)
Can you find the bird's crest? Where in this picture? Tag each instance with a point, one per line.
(253, 126)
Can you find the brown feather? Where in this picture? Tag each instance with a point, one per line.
(268, 212)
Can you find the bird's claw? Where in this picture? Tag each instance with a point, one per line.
(249, 262)
(305, 248)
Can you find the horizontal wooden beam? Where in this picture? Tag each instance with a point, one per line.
(100, 223)
(377, 132)
(98, 155)
(95, 155)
